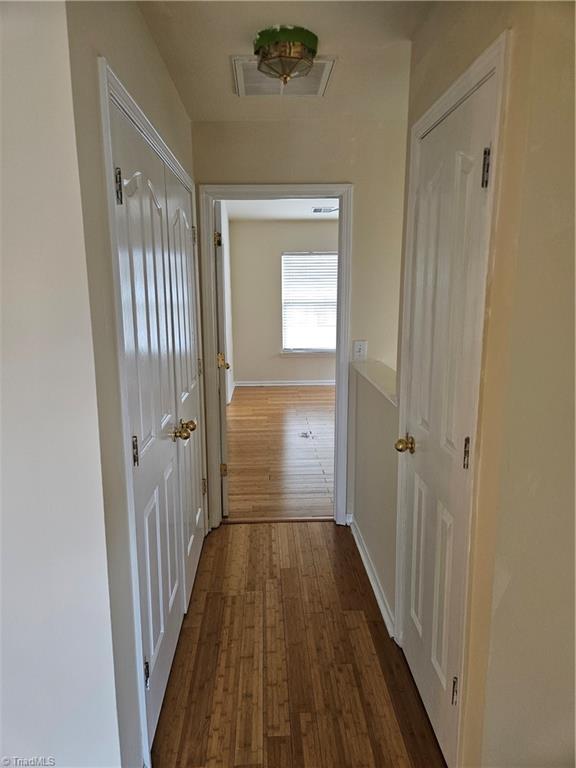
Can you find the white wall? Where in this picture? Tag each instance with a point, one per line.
(58, 697)
(117, 31)
(256, 250)
(374, 429)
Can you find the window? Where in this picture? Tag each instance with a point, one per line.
(309, 285)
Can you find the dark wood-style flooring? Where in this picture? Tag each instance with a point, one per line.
(281, 453)
(284, 661)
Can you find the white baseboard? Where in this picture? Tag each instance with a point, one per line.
(304, 383)
(387, 613)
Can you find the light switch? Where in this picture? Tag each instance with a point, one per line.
(359, 349)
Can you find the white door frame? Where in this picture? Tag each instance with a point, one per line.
(209, 194)
(112, 92)
(492, 63)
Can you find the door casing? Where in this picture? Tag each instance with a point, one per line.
(492, 63)
(209, 194)
(112, 91)
(220, 215)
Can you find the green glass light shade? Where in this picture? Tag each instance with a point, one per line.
(285, 52)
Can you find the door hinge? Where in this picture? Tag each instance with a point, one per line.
(118, 185)
(194, 234)
(135, 452)
(200, 366)
(223, 470)
(466, 460)
(204, 486)
(486, 168)
(147, 674)
(218, 239)
(454, 691)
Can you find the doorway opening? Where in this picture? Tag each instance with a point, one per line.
(277, 307)
(276, 263)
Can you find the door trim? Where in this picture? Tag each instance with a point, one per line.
(209, 194)
(113, 92)
(492, 63)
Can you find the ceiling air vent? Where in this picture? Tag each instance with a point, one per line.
(250, 82)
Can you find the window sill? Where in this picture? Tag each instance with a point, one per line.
(308, 353)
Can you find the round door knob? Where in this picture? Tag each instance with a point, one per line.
(221, 361)
(404, 444)
(191, 425)
(181, 433)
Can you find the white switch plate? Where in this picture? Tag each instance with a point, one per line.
(359, 349)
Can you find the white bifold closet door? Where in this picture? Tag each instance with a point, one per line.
(158, 270)
(185, 302)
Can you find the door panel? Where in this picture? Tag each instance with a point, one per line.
(153, 562)
(417, 559)
(184, 276)
(442, 590)
(444, 343)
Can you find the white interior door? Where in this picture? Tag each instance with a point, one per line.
(227, 301)
(222, 362)
(147, 319)
(189, 411)
(447, 294)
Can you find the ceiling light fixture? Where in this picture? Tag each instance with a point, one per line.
(285, 52)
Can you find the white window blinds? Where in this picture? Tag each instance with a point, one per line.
(309, 286)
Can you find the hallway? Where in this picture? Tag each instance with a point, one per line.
(281, 452)
(284, 661)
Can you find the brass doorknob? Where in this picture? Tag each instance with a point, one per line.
(221, 361)
(404, 444)
(181, 432)
(190, 425)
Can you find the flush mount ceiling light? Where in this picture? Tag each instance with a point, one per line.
(285, 52)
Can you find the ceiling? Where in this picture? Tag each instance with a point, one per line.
(278, 210)
(368, 39)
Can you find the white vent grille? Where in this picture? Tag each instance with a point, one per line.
(250, 82)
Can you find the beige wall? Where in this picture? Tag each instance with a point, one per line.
(375, 428)
(256, 248)
(117, 31)
(57, 690)
(519, 708)
(368, 154)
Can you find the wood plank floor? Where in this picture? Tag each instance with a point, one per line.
(284, 661)
(281, 452)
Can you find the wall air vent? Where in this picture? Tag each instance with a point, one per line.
(250, 82)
